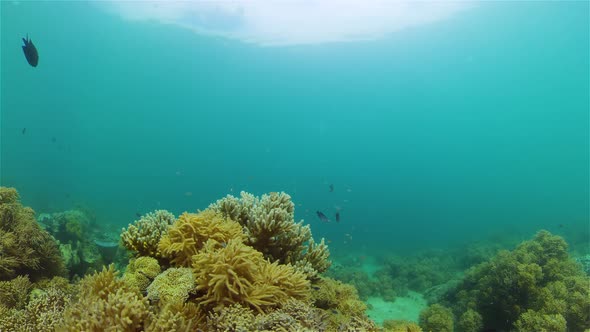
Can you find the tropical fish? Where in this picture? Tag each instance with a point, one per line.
(24, 131)
(30, 52)
(331, 188)
(337, 216)
(322, 216)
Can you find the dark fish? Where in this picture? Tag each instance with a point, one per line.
(331, 188)
(24, 131)
(314, 287)
(30, 52)
(137, 214)
(337, 216)
(53, 140)
(322, 216)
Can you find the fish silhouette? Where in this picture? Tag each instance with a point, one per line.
(322, 216)
(30, 52)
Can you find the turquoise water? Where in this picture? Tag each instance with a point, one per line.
(433, 135)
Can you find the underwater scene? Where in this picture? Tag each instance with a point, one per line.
(296, 165)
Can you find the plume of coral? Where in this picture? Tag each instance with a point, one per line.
(144, 234)
(25, 248)
(237, 273)
(190, 232)
(271, 229)
(106, 303)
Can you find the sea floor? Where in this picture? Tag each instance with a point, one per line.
(403, 308)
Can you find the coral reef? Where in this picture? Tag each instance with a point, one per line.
(400, 326)
(13, 293)
(106, 303)
(237, 273)
(25, 248)
(470, 321)
(143, 236)
(271, 229)
(532, 320)
(44, 310)
(141, 271)
(172, 286)
(537, 283)
(340, 300)
(437, 318)
(190, 232)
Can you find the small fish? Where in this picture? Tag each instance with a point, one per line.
(322, 216)
(138, 215)
(30, 52)
(24, 131)
(337, 216)
(331, 188)
(53, 140)
(314, 287)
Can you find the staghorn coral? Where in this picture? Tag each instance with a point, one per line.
(106, 303)
(144, 234)
(190, 232)
(25, 248)
(237, 273)
(172, 286)
(141, 272)
(270, 228)
(437, 318)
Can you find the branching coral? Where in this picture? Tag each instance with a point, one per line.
(236, 273)
(106, 303)
(144, 234)
(172, 286)
(190, 232)
(270, 228)
(24, 247)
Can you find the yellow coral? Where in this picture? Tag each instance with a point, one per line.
(106, 303)
(141, 272)
(237, 273)
(144, 234)
(14, 293)
(190, 232)
(172, 286)
(271, 229)
(25, 247)
(175, 317)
